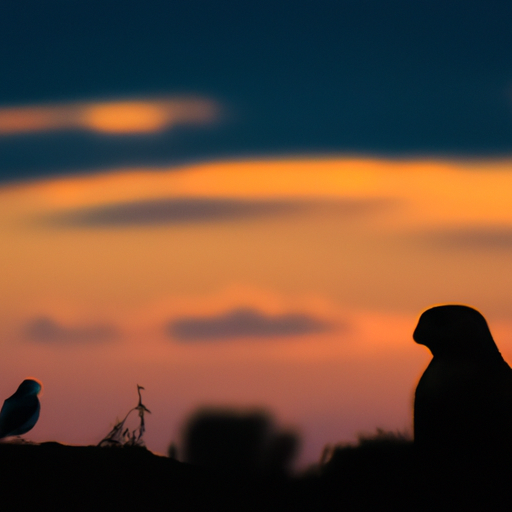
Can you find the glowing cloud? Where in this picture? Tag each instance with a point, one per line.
(437, 194)
(110, 117)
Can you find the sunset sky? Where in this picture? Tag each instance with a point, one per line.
(247, 205)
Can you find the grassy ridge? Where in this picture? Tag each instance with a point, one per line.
(379, 473)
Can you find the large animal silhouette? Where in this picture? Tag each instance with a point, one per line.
(463, 401)
(20, 411)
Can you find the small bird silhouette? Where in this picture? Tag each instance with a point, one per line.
(20, 411)
(463, 401)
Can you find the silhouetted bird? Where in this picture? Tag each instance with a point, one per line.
(463, 401)
(20, 411)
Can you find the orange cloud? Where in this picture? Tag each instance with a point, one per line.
(437, 193)
(111, 117)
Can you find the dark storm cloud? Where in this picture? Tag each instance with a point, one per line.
(46, 330)
(203, 210)
(474, 238)
(245, 323)
(372, 77)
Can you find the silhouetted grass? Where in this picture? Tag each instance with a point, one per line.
(122, 436)
(380, 442)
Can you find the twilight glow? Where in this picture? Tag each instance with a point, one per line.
(289, 284)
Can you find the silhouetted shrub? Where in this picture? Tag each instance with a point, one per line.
(246, 442)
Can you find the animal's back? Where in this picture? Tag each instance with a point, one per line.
(464, 406)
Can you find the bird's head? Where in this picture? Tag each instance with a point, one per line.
(29, 387)
(454, 330)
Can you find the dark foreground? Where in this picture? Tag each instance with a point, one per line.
(377, 476)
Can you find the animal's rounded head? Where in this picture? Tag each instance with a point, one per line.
(29, 387)
(455, 330)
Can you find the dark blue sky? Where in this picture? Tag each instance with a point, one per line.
(422, 77)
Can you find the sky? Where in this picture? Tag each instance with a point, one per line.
(247, 205)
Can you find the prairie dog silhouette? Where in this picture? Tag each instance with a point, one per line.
(463, 401)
